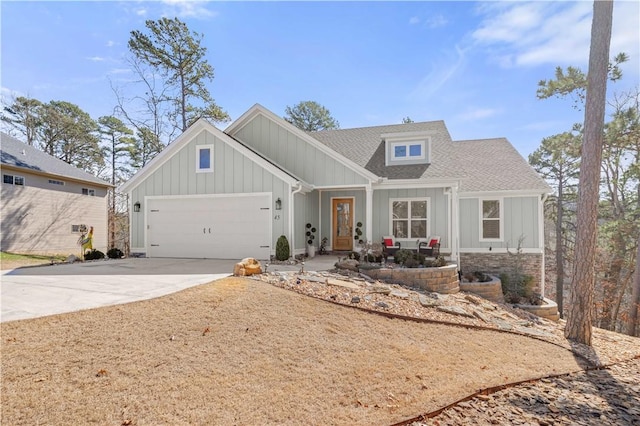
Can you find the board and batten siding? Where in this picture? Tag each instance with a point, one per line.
(306, 211)
(39, 220)
(233, 173)
(520, 218)
(438, 222)
(295, 155)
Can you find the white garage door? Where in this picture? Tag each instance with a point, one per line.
(216, 227)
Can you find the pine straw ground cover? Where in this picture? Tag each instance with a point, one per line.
(238, 351)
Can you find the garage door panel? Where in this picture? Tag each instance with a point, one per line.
(220, 227)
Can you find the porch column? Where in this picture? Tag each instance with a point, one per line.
(369, 213)
(455, 223)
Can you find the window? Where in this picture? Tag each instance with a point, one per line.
(56, 182)
(90, 192)
(204, 158)
(13, 180)
(78, 228)
(491, 223)
(413, 150)
(409, 218)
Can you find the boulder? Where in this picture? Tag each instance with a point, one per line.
(247, 266)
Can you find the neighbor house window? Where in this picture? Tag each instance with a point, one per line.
(56, 182)
(414, 150)
(409, 218)
(491, 220)
(13, 180)
(78, 228)
(90, 192)
(204, 158)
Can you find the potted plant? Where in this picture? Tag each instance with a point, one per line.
(310, 235)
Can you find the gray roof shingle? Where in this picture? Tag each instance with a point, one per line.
(480, 165)
(16, 153)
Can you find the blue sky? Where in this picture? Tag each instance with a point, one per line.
(474, 65)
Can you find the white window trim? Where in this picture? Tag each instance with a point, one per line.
(198, 149)
(409, 199)
(481, 219)
(423, 144)
(90, 192)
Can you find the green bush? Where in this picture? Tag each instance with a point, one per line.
(114, 253)
(435, 263)
(401, 256)
(93, 255)
(354, 255)
(282, 248)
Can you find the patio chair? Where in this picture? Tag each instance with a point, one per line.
(430, 248)
(389, 246)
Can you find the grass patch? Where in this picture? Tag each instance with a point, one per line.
(14, 260)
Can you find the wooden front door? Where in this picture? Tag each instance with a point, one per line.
(342, 224)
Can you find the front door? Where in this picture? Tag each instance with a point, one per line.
(343, 224)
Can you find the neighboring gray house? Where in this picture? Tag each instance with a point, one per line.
(231, 194)
(46, 202)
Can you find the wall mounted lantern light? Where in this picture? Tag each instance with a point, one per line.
(278, 204)
(136, 207)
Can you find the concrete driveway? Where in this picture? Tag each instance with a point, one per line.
(47, 290)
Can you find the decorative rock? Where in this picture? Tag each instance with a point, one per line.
(350, 264)
(428, 302)
(341, 283)
(247, 266)
(455, 310)
(313, 279)
(72, 258)
(382, 305)
(355, 299)
(380, 288)
(399, 294)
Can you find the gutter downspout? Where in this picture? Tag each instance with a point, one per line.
(291, 215)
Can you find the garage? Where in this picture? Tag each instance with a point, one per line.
(229, 226)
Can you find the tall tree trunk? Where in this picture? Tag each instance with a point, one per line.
(579, 321)
(559, 251)
(635, 297)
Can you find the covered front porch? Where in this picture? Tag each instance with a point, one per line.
(345, 217)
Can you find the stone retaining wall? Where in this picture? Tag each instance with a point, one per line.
(442, 280)
(498, 263)
(490, 290)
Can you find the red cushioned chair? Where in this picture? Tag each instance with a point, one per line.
(389, 246)
(431, 247)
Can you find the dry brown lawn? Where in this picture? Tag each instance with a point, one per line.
(242, 352)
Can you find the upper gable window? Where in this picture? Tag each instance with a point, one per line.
(204, 158)
(89, 192)
(406, 148)
(401, 151)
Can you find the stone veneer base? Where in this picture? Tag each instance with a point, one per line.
(442, 280)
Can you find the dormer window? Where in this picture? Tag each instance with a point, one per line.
(401, 151)
(407, 148)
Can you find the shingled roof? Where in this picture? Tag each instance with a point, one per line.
(480, 165)
(16, 153)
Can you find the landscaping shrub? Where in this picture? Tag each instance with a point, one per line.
(354, 255)
(401, 256)
(114, 253)
(435, 263)
(93, 255)
(374, 258)
(282, 248)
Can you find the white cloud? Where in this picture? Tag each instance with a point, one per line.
(478, 114)
(436, 21)
(558, 33)
(439, 75)
(96, 58)
(414, 20)
(189, 9)
(141, 12)
(110, 43)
